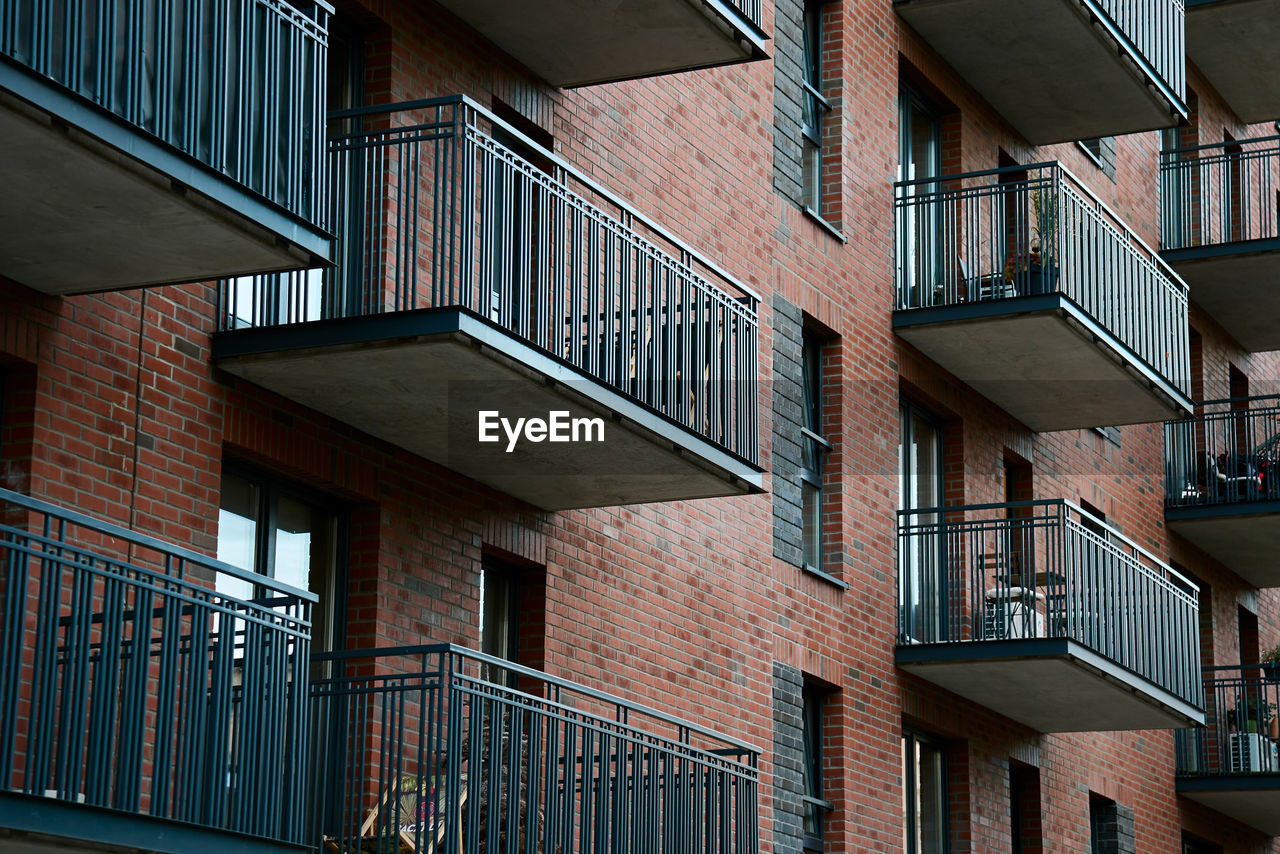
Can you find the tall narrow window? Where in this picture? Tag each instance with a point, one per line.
(924, 795)
(814, 450)
(921, 581)
(919, 161)
(816, 105)
(1102, 825)
(287, 532)
(816, 806)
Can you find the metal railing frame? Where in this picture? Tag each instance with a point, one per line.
(441, 203)
(205, 77)
(1212, 195)
(972, 237)
(1046, 569)
(1241, 703)
(129, 683)
(1227, 452)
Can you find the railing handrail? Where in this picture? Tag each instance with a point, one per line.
(1147, 64)
(1214, 668)
(1184, 149)
(624, 205)
(531, 673)
(146, 541)
(1228, 400)
(1175, 281)
(1059, 502)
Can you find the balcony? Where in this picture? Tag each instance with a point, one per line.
(1230, 764)
(169, 143)
(1222, 484)
(1234, 45)
(1025, 286)
(481, 274)
(444, 749)
(1220, 229)
(1046, 615)
(152, 698)
(1062, 70)
(570, 43)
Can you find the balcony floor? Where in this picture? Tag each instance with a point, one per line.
(1253, 799)
(34, 825)
(1237, 46)
(417, 379)
(581, 42)
(1242, 536)
(1043, 361)
(91, 203)
(1049, 685)
(1042, 65)
(1235, 284)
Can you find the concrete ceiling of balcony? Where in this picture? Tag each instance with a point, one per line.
(1255, 802)
(1242, 537)
(1054, 75)
(1236, 284)
(78, 214)
(1236, 44)
(1044, 367)
(1049, 685)
(422, 389)
(581, 42)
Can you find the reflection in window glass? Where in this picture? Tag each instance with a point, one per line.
(237, 533)
(293, 542)
(924, 827)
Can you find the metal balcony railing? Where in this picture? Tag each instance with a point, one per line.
(1154, 33)
(145, 678)
(440, 203)
(1223, 193)
(1228, 452)
(1034, 230)
(1239, 736)
(237, 84)
(1046, 569)
(752, 10)
(438, 748)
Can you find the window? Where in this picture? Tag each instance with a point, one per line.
(814, 450)
(816, 106)
(287, 532)
(512, 615)
(924, 795)
(1102, 152)
(919, 159)
(1102, 825)
(499, 621)
(1024, 808)
(921, 580)
(815, 806)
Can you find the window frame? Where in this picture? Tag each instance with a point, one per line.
(910, 783)
(813, 724)
(815, 108)
(815, 447)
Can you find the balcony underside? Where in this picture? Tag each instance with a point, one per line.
(1253, 799)
(92, 203)
(1236, 44)
(418, 380)
(1236, 284)
(1043, 361)
(1048, 684)
(581, 42)
(1041, 63)
(1242, 536)
(35, 825)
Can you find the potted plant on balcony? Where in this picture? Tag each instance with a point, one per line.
(1253, 713)
(1270, 664)
(1036, 269)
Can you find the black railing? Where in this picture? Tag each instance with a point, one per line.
(1046, 569)
(751, 10)
(1223, 193)
(1032, 230)
(1228, 452)
(438, 748)
(131, 680)
(439, 203)
(1154, 33)
(237, 84)
(1240, 732)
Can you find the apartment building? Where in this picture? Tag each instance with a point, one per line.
(914, 363)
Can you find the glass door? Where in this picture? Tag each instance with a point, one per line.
(919, 159)
(922, 584)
